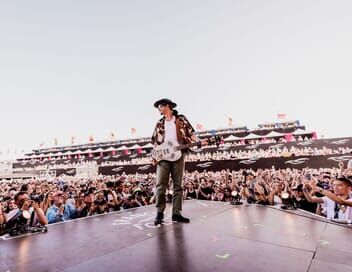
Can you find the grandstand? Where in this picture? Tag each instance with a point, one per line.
(133, 155)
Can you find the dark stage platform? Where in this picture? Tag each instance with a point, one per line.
(220, 237)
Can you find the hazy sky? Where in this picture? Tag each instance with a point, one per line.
(80, 68)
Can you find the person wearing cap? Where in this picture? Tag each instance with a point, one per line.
(171, 127)
(60, 211)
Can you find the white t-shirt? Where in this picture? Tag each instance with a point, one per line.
(170, 130)
(277, 200)
(329, 206)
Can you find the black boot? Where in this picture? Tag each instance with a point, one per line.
(180, 218)
(159, 219)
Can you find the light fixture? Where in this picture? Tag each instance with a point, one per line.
(26, 214)
(285, 195)
(236, 198)
(234, 193)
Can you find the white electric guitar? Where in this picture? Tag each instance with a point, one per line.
(172, 151)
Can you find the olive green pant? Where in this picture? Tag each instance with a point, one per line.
(163, 171)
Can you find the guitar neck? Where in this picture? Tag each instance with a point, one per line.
(185, 146)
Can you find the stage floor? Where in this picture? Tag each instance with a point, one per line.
(220, 237)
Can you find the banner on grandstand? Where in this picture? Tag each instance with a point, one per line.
(315, 162)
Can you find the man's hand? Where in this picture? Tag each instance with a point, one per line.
(26, 205)
(313, 185)
(307, 186)
(61, 210)
(35, 205)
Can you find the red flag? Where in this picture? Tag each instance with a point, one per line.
(112, 136)
(91, 139)
(281, 115)
(230, 122)
(133, 131)
(199, 126)
(41, 144)
(73, 138)
(56, 141)
(315, 136)
(289, 137)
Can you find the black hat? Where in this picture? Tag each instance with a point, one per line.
(165, 101)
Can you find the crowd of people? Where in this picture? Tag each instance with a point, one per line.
(326, 192)
(242, 155)
(224, 153)
(142, 155)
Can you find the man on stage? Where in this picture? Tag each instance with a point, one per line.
(172, 127)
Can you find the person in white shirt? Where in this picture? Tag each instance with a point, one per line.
(337, 204)
(176, 128)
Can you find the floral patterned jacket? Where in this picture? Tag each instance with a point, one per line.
(184, 131)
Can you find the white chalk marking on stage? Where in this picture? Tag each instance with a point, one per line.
(223, 256)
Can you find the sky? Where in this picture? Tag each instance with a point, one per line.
(80, 68)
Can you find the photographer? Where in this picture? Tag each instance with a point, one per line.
(60, 211)
(28, 214)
